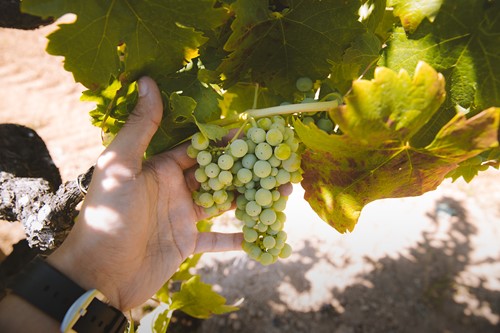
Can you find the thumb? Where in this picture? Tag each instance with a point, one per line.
(134, 137)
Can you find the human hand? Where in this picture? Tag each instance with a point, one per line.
(138, 221)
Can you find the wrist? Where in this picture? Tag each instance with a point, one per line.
(82, 273)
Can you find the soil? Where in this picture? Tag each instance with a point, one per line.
(422, 264)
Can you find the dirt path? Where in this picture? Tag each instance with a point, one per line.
(426, 264)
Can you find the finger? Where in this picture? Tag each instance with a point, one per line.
(179, 155)
(134, 137)
(218, 242)
(191, 181)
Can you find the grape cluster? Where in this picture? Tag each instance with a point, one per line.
(250, 170)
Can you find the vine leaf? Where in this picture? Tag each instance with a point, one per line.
(374, 157)
(413, 12)
(198, 300)
(146, 30)
(276, 48)
(463, 44)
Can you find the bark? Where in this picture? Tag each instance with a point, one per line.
(47, 217)
(12, 17)
(28, 179)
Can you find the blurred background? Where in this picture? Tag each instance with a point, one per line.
(422, 264)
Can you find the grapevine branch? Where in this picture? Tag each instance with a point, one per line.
(290, 109)
(28, 183)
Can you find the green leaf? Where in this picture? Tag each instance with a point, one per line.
(357, 59)
(276, 48)
(412, 12)
(199, 300)
(177, 124)
(463, 43)
(158, 37)
(374, 157)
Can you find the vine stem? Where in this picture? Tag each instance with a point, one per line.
(277, 110)
(289, 109)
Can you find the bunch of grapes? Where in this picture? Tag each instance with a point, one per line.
(250, 170)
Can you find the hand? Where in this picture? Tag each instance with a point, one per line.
(138, 221)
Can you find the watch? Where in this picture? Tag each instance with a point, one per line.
(61, 298)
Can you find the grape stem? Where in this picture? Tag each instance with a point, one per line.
(289, 109)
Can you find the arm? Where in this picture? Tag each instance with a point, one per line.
(138, 221)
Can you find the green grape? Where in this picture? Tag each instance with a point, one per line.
(268, 183)
(244, 175)
(261, 227)
(225, 162)
(282, 151)
(304, 84)
(251, 146)
(205, 187)
(212, 170)
(280, 127)
(280, 216)
(266, 259)
(199, 141)
(280, 204)
(281, 235)
(215, 184)
(264, 123)
(200, 175)
(276, 226)
(263, 197)
(225, 177)
(226, 205)
(274, 171)
(204, 158)
(283, 177)
(293, 143)
(252, 208)
(220, 196)
(279, 120)
(255, 252)
(286, 251)
(250, 194)
(263, 151)
(274, 137)
(296, 177)
(206, 200)
(269, 242)
(248, 161)
(250, 235)
(276, 194)
(280, 242)
(325, 125)
(274, 161)
(250, 185)
(238, 148)
(241, 202)
(274, 251)
(212, 210)
(268, 216)
(308, 120)
(257, 134)
(192, 151)
(236, 166)
(238, 213)
(292, 163)
(248, 220)
(262, 169)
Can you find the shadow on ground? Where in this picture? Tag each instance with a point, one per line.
(414, 293)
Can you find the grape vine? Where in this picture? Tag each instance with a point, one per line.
(386, 97)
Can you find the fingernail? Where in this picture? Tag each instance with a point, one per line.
(143, 88)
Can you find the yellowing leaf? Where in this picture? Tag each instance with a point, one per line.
(374, 158)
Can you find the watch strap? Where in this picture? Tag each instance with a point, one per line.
(52, 292)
